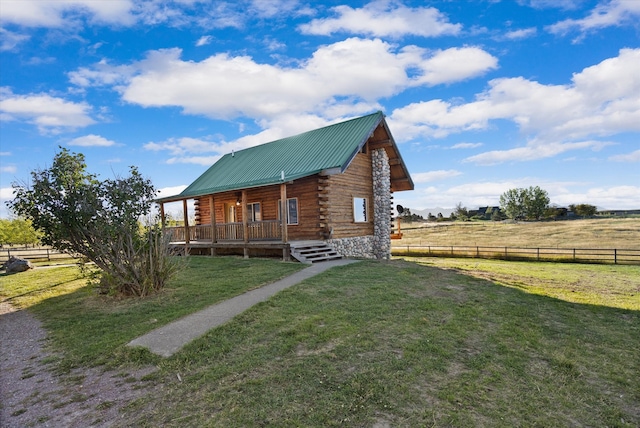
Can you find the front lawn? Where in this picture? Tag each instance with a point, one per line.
(381, 344)
(93, 330)
(400, 344)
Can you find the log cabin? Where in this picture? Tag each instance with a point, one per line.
(322, 194)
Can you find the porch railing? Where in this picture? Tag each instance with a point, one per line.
(258, 231)
(265, 230)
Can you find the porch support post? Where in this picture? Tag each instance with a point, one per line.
(212, 210)
(162, 222)
(245, 224)
(283, 212)
(185, 216)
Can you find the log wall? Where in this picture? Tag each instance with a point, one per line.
(325, 203)
(355, 182)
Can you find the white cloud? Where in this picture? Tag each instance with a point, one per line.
(615, 197)
(627, 157)
(533, 151)
(6, 194)
(10, 40)
(483, 193)
(272, 8)
(205, 152)
(384, 19)
(10, 169)
(171, 191)
(50, 114)
(602, 100)
(523, 33)
(605, 14)
(204, 40)
(91, 140)
(101, 74)
(553, 4)
(197, 160)
(466, 145)
(427, 177)
(474, 194)
(73, 14)
(453, 65)
(59, 14)
(337, 77)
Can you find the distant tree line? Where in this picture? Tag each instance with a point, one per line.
(518, 204)
(18, 232)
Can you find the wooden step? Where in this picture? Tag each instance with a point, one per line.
(313, 251)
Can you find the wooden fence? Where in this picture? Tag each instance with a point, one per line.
(574, 255)
(32, 254)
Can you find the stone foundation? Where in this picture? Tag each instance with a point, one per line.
(377, 246)
(360, 247)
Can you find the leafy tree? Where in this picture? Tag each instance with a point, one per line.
(584, 210)
(77, 213)
(555, 212)
(536, 202)
(409, 217)
(512, 203)
(495, 215)
(18, 231)
(528, 203)
(461, 212)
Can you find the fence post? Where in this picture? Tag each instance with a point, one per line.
(477, 251)
(538, 254)
(506, 256)
(574, 254)
(615, 256)
(48, 256)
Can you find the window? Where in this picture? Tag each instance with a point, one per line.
(254, 212)
(292, 210)
(360, 211)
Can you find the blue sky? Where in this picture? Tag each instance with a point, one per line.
(481, 96)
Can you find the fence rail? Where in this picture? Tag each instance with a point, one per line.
(32, 254)
(575, 255)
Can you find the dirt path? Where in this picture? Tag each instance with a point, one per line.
(32, 395)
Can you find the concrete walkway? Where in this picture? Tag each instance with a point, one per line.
(169, 339)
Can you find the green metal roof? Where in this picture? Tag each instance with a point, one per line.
(299, 156)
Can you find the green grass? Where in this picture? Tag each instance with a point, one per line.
(394, 343)
(400, 344)
(94, 329)
(603, 285)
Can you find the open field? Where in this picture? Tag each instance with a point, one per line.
(394, 343)
(590, 233)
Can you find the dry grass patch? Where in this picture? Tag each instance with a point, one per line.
(589, 233)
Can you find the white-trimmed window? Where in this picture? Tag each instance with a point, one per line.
(292, 210)
(360, 210)
(254, 212)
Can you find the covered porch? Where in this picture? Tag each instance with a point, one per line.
(230, 222)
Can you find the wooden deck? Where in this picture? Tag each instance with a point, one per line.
(261, 248)
(304, 251)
